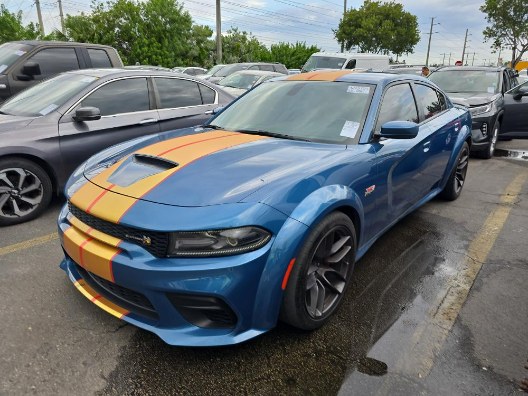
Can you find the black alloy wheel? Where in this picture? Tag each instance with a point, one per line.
(457, 179)
(25, 191)
(321, 273)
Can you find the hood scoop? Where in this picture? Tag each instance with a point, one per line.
(139, 166)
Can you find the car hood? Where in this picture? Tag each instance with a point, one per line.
(209, 168)
(470, 99)
(8, 122)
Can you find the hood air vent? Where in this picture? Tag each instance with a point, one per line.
(139, 166)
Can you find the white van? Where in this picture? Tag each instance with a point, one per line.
(345, 60)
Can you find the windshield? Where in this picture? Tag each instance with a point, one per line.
(230, 69)
(10, 52)
(239, 80)
(467, 80)
(323, 62)
(331, 112)
(45, 97)
(215, 69)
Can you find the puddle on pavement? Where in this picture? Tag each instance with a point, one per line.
(393, 288)
(513, 154)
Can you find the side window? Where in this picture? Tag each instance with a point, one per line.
(266, 67)
(174, 92)
(397, 105)
(442, 100)
(281, 69)
(99, 58)
(190, 72)
(254, 67)
(428, 101)
(55, 60)
(122, 96)
(351, 64)
(208, 94)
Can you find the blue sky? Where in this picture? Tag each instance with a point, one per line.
(272, 21)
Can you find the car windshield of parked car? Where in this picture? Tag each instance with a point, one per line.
(330, 112)
(213, 70)
(239, 80)
(324, 62)
(47, 96)
(229, 69)
(10, 52)
(454, 81)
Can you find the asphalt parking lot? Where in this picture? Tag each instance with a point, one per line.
(437, 306)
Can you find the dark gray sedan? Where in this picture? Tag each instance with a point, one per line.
(47, 130)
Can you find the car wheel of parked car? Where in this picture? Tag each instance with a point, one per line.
(25, 190)
(490, 150)
(457, 179)
(320, 273)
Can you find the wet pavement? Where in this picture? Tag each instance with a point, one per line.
(407, 324)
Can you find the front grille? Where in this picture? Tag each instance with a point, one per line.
(159, 241)
(126, 298)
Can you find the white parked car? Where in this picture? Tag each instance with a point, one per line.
(345, 60)
(239, 82)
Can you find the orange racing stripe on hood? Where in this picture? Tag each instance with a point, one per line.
(183, 150)
(322, 75)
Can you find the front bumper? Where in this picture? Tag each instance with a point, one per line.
(481, 131)
(105, 269)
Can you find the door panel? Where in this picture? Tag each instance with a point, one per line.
(515, 119)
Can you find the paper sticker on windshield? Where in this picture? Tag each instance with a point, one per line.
(2, 68)
(48, 109)
(350, 129)
(19, 53)
(358, 89)
(491, 89)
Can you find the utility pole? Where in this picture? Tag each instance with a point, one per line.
(464, 50)
(449, 62)
(39, 13)
(443, 59)
(218, 33)
(61, 15)
(473, 59)
(344, 11)
(429, 44)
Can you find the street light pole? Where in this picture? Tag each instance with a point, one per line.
(344, 12)
(39, 14)
(429, 44)
(218, 33)
(61, 13)
(464, 50)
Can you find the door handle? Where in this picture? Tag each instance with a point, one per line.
(209, 112)
(147, 121)
(426, 146)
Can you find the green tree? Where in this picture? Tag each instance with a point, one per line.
(291, 55)
(12, 28)
(241, 46)
(379, 28)
(508, 27)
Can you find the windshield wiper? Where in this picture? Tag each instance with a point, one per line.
(271, 134)
(3, 112)
(216, 127)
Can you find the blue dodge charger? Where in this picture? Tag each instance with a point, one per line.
(210, 235)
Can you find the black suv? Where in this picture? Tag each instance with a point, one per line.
(482, 90)
(25, 63)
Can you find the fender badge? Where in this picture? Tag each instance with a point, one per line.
(145, 240)
(370, 190)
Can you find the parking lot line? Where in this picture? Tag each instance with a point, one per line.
(28, 244)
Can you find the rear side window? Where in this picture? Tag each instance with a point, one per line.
(122, 96)
(428, 101)
(397, 105)
(351, 64)
(281, 69)
(266, 67)
(174, 92)
(55, 60)
(208, 94)
(99, 58)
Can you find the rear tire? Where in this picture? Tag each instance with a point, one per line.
(456, 181)
(25, 191)
(321, 273)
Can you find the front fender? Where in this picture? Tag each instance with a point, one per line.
(465, 133)
(289, 241)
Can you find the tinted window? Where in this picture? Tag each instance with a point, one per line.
(190, 72)
(398, 105)
(281, 69)
(99, 58)
(351, 64)
(55, 60)
(122, 96)
(208, 94)
(174, 92)
(428, 101)
(266, 67)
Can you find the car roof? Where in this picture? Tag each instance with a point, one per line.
(354, 76)
(100, 73)
(258, 72)
(58, 43)
(475, 68)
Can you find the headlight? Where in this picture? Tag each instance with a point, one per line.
(217, 242)
(475, 111)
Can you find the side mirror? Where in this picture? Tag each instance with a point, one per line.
(399, 130)
(523, 91)
(87, 114)
(516, 73)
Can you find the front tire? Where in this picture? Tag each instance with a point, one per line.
(25, 190)
(321, 273)
(456, 181)
(490, 150)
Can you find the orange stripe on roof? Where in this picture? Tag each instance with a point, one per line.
(322, 75)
